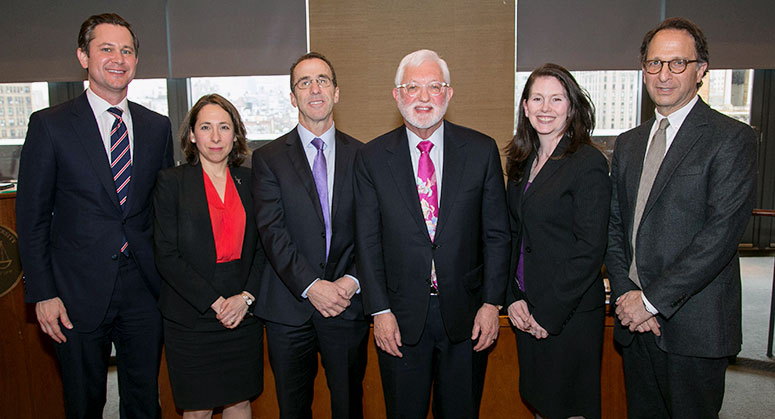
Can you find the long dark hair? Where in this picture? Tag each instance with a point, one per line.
(581, 121)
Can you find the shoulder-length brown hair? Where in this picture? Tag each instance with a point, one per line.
(240, 150)
(581, 121)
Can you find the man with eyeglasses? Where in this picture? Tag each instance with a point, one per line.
(433, 247)
(309, 292)
(683, 191)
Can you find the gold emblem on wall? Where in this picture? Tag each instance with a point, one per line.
(10, 265)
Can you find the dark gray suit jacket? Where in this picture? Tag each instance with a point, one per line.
(290, 224)
(472, 242)
(687, 243)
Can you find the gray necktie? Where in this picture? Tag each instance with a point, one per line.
(654, 158)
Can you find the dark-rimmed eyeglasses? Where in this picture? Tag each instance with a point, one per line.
(676, 66)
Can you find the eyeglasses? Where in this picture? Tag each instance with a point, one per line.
(434, 88)
(322, 83)
(676, 66)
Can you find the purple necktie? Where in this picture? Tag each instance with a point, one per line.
(428, 193)
(320, 173)
(120, 161)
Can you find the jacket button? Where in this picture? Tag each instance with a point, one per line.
(323, 234)
(528, 249)
(114, 257)
(434, 246)
(322, 265)
(123, 222)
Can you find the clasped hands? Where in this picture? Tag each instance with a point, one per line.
(332, 298)
(522, 319)
(632, 313)
(230, 311)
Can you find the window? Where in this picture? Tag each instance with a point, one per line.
(151, 93)
(11, 140)
(729, 92)
(262, 101)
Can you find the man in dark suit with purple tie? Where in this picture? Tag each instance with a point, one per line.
(84, 217)
(309, 292)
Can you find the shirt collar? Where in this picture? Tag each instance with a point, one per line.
(436, 138)
(100, 105)
(676, 119)
(307, 136)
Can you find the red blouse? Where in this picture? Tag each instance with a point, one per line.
(227, 219)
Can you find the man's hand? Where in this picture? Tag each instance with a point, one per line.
(485, 327)
(520, 315)
(386, 334)
(232, 311)
(50, 312)
(650, 325)
(328, 297)
(631, 310)
(348, 285)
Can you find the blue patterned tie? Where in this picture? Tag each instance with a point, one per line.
(320, 173)
(120, 162)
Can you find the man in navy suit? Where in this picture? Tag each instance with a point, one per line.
(683, 191)
(433, 246)
(84, 217)
(309, 293)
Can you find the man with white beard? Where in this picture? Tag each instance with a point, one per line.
(432, 265)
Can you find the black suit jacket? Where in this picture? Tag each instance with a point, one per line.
(69, 219)
(687, 242)
(185, 247)
(290, 224)
(562, 221)
(472, 242)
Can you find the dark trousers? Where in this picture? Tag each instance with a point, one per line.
(133, 324)
(664, 385)
(453, 370)
(293, 355)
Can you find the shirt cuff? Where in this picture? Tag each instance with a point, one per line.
(650, 308)
(304, 294)
(358, 283)
(387, 310)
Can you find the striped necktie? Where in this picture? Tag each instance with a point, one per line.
(120, 162)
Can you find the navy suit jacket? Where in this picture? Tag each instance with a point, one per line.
(68, 216)
(291, 228)
(472, 242)
(698, 208)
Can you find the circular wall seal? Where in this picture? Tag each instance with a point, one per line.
(10, 265)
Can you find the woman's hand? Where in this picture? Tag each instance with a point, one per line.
(519, 315)
(232, 311)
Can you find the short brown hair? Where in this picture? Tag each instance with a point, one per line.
(681, 24)
(309, 56)
(86, 34)
(240, 150)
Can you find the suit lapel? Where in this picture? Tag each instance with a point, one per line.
(550, 168)
(400, 164)
(687, 136)
(194, 194)
(141, 136)
(295, 152)
(88, 134)
(343, 165)
(454, 167)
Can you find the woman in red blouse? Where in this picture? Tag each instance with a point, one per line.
(209, 258)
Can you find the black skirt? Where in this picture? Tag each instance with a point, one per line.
(210, 365)
(560, 376)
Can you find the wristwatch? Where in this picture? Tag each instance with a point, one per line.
(248, 299)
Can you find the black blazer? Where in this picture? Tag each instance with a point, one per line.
(185, 247)
(472, 243)
(698, 208)
(290, 224)
(562, 220)
(68, 216)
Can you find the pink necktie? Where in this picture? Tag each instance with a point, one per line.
(429, 198)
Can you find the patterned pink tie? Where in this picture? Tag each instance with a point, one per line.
(429, 198)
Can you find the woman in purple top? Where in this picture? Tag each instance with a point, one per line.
(558, 195)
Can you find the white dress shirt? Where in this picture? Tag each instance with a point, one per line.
(105, 120)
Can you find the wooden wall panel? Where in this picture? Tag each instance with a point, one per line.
(366, 40)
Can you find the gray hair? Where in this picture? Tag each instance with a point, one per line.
(418, 57)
